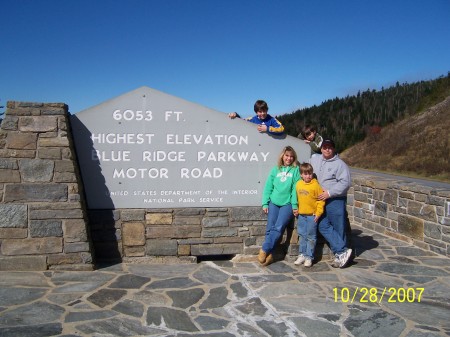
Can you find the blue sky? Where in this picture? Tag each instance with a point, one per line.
(221, 54)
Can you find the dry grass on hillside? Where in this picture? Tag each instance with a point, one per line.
(417, 145)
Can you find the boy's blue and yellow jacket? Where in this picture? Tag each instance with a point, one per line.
(274, 127)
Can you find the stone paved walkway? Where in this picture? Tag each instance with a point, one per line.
(226, 298)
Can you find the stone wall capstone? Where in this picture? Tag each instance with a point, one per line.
(42, 214)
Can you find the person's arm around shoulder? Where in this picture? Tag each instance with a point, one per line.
(316, 162)
(297, 189)
(320, 204)
(268, 188)
(343, 180)
(295, 179)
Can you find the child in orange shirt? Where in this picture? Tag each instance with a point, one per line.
(309, 211)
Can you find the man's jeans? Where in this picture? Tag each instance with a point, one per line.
(332, 224)
(307, 229)
(277, 220)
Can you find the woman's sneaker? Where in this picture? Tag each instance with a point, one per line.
(269, 260)
(300, 259)
(308, 263)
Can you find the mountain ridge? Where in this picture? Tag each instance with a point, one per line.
(417, 145)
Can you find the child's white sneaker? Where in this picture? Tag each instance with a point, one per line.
(308, 263)
(300, 259)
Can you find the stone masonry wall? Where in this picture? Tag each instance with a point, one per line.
(42, 216)
(188, 233)
(410, 212)
(44, 223)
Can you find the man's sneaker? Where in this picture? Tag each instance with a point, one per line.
(308, 263)
(335, 263)
(345, 257)
(300, 259)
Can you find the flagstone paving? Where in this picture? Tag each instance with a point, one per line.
(390, 289)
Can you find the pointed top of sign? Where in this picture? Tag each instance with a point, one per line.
(144, 95)
(149, 149)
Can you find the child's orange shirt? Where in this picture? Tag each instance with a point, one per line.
(307, 194)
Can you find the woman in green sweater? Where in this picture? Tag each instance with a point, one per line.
(279, 201)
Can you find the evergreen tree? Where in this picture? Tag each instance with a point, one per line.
(350, 119)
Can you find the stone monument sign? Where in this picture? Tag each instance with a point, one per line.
(148, 149)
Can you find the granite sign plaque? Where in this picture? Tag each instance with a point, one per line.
(148, 149)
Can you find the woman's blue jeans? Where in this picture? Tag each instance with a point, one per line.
(277, 220)
(307, 230)
(332, 224)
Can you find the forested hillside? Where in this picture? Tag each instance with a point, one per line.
(349, 120)
(417, 145)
